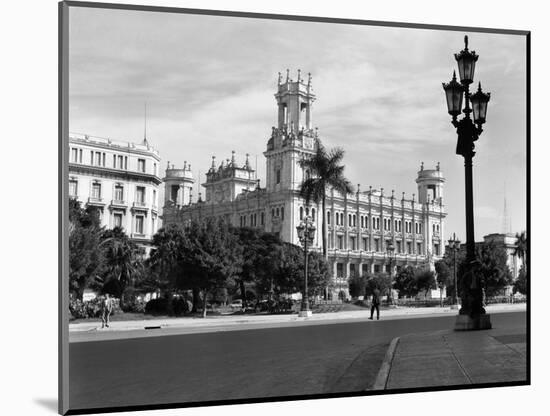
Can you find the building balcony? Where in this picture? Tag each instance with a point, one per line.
(118, 203)
(139, 236)
(140, 206)
(98, 202)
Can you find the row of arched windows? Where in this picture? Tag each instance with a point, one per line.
(352, 222)
(252, 220)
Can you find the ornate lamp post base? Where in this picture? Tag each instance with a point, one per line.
(305, 314)
(471, 323)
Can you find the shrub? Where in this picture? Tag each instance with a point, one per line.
(179, 306)
(90, 309)
(133, 302)
(157, 306)
(77, 309)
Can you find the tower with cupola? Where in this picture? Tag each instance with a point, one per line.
(294, 137)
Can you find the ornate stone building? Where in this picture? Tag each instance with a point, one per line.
(121, 179)
(359, 226)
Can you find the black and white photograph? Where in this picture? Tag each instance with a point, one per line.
(264, 208)
(235, 207)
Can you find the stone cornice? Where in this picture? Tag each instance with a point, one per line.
(102, 172)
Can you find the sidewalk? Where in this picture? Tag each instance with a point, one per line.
(239, 322)
(454, 358)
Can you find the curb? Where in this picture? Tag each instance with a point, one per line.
(384, 372)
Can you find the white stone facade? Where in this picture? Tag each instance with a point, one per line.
(359, 226)
(121, 179)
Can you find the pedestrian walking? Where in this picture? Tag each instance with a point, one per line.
(106, 310)
(375, 304)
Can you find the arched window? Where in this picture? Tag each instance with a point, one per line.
(313, 213)
(277, 211)
(301, 213)
(282, 213)
(328, 217)
(349, 220)
(307, 211)
(341, 218)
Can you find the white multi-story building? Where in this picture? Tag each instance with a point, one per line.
(359, 227)
(121, 179)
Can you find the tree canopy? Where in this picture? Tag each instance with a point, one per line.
(494, 268)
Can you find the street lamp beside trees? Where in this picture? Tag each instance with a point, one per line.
(306, 234)
(454, 246)
(472, 314)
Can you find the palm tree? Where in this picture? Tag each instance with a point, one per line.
(326, 171)
(521, 246)
(120, 255)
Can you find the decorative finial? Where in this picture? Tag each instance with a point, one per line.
(299, 74)
(392, 193)
(200, 197)
(479, 86)
(279, 79)
(437, 167)
(414, 195)
(403, 196)
(421, 166)
(185, 165)
(382, 191)
(309, 78)
(189, 166)
(168, 165)
(213, 161)
(465, 42)
(287, 75)
(233, 157)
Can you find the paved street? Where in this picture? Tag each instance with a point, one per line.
(269, 362)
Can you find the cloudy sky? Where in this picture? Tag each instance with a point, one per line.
(209, 81)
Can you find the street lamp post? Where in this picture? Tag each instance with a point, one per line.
(472, 314)
(390, 249)
(306, 234)
(454, 245)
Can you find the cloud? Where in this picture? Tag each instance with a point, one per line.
(209, 83)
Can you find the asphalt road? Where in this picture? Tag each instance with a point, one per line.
(248, 364)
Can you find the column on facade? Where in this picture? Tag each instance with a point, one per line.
(179, 198)
(413, 225)
(346, 224)
(382, 233)
(370, 228)
(403, 226)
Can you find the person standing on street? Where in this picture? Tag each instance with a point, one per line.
(375, 304)
(106, 310)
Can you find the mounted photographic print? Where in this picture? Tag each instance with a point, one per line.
(268, 208)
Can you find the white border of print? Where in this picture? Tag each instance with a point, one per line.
(29, 203)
